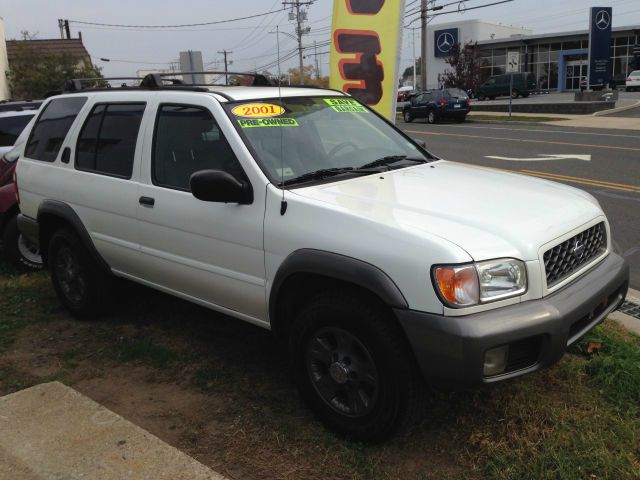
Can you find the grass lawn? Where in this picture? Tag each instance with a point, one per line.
(219, 389)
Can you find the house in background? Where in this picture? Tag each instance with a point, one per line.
(9, 49)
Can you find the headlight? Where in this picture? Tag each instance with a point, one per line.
(481, 282)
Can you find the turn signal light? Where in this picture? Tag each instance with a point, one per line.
(458, 285)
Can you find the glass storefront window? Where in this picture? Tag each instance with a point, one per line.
(621, 41)
(553, 76)
(543, 53)
(571, 45)
(554, 56)
(556, 46)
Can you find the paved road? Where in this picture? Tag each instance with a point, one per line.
(612, 175)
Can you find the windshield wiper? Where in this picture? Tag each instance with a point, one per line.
(391, 159)
(325, 173)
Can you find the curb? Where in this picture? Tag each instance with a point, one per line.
(604, 113)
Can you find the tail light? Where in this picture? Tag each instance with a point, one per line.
(443, 102)
(15, 185)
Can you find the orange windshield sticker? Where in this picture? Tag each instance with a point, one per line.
(257, 110)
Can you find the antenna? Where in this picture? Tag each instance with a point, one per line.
(283, 203)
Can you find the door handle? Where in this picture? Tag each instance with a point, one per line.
(147, 201)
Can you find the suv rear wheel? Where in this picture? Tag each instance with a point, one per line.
(353, 367)
(17, 250)
(514, 93)
(77, 278)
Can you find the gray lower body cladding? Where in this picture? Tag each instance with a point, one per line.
(451, 350)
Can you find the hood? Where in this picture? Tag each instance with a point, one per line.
(489, 213)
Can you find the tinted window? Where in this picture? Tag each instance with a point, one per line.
(457, 93)
(52, 127)
(11, 128)
(187, 140)
(107, 142)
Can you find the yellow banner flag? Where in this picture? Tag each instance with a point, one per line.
(365, 51)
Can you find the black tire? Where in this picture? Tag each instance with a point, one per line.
(408, 118)
(492, 98)
(514, 94)
(392, 392)
(432, 117)
(481, 97)
(79, 281)
(525, 95)
(17, 250)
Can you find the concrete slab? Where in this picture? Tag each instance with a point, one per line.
(52, 432)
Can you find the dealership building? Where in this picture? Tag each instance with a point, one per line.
(558, 60)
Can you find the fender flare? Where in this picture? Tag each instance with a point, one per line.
(65, 212)
(340, 267)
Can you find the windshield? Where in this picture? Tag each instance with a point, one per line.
(302, 135)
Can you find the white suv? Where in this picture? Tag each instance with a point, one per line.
(633, 81)
(304, 212)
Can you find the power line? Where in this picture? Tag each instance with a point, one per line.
(177, 26)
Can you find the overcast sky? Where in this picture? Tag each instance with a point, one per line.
(249, 39)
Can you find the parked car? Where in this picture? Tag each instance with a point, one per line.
(13, 119)
(304, 212)
(437, 104)
(633, 81)
(500, 85)
(17, 250)
(618, 80)
(404, 93)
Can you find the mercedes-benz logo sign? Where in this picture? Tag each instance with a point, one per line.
(578, 249)
(445, 42)
(603, 19)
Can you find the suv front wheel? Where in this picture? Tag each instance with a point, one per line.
(77, 278)
(353, 367)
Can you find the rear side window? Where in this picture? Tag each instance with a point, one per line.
(107, 142)
(187, 140)
(11, 128)
(52, 127)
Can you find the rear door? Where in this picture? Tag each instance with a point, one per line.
(207, 252)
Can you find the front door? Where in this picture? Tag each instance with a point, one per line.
(575, 71)
(207, 252)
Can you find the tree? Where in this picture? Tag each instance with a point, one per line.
(32, 74)
(310, 77)
(465, 67)
(408, 72)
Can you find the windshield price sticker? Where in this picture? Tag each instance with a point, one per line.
(345, 105)
(257, 110)
(268, 122)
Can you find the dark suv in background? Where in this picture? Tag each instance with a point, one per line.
(501, 86)
(436, 104)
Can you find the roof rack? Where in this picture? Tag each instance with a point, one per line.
(158, 81)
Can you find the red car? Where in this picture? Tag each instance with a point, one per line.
(16, 249)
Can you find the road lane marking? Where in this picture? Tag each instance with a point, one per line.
(621, 185)
(546, 142)
(543, 158)
(581, 181)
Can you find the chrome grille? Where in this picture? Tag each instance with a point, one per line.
(572, 254)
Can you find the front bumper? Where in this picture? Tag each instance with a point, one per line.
(451, 350)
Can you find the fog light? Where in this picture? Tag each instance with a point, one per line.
(495, 360)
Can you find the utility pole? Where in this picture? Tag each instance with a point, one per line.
(413, 38)
(423, 45)
(61, 27)
(315, 54)
(299, 15)
(226, 65)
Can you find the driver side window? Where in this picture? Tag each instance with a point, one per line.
(187, 139)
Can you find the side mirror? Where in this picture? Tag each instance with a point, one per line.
(422, 143)
(219, 186)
